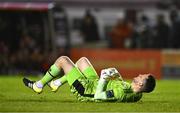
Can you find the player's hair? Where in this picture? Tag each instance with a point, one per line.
(150, 84)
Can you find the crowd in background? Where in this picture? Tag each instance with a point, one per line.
(138, 34)
(27, 58)
(161, 35)
(26, 53)
(22, 50)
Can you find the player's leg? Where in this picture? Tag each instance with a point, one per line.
(86, 68)
(84, 65)
(63, 63)
(55, 84)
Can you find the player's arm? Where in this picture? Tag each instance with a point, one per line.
(106, 75)
(100, 93)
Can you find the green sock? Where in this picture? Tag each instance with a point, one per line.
(73, 75)
(60, 81)
(50, 74)
(63, 79)
(90, 72)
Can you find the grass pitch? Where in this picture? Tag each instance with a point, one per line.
(15, 97)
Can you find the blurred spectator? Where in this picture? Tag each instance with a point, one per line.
(89, 27)
(9, 30)
(121, 34)
(161, 33)
(175, 29)
(27, 42)
(26, 48)
(142, 38)
(36, 59)
(4, 52)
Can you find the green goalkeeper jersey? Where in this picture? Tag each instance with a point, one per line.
(120, 91)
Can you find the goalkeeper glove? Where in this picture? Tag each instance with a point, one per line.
(110, 73)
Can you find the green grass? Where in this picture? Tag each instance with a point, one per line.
(14, 96)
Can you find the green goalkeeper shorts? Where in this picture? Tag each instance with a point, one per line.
(84, 89)
(83, 84)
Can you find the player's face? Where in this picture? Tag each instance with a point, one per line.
(138, 82)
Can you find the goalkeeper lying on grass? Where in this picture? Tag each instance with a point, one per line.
(88, 86)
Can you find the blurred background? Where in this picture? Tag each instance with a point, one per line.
(135, 36)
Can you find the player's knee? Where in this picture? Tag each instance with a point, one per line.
(81, 60)
(62, 60)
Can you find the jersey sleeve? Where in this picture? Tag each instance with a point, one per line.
(113, 94)
(122, 92)
(127, 95)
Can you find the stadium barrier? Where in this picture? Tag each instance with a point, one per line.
(171, 63)
(130, 63)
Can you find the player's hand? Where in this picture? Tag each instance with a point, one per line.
(113, 73)
(105, 74)
(110, 73)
